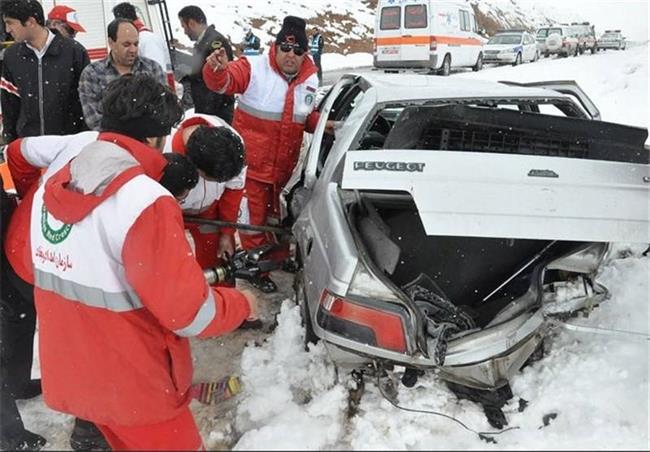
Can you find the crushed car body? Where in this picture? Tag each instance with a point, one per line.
(448, 220)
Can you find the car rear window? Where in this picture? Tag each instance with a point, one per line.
(542, 33)
(390, 18)
(415, 16)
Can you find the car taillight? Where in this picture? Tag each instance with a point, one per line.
(433, 44)
(362, 322)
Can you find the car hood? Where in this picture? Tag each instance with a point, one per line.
(515, 196)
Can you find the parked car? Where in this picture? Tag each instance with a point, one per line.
(432, 35)
(558, 40)
(612, 39)
(448, 220)
(511, 47)
(586, 35)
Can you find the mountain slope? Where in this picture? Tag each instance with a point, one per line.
(348, 25)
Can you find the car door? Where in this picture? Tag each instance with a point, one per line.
(300, 184)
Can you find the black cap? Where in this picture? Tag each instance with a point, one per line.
(293, 31)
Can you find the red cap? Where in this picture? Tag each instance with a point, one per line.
(67, 15)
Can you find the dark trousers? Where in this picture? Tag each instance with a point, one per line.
(316, 57)
(17, 326)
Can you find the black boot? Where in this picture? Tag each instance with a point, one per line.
(86, 436)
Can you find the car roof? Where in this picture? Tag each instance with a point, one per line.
(396, 87)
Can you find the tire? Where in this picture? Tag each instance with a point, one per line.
(536, 57)
(581, 50)
(445, 69)
(546, 54)
(301, 300)
(576, 52)
(517, 60)
(593, 50)
(479, 63)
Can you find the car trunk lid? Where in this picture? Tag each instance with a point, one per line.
(478, 194)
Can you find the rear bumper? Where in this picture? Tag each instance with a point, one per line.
(609, 45)
(431, 63)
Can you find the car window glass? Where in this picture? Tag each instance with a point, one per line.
(415, 16)
(341, 109)
(505, 39)
(542, 32)
(464, 21)
(390, 18)
(555, 30)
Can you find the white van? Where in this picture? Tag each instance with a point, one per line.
(429, 34)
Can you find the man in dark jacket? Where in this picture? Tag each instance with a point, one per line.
(207, 40)
(40, 76)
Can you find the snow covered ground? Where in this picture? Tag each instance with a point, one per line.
(596, 385)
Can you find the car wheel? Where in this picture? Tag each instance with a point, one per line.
(575, 54)
(517, 60)
(594, 50)
(479, 63)
(445, 69)
(301, 300)
(536, 57)
(546, 54)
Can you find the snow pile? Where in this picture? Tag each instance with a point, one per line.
(292, 399)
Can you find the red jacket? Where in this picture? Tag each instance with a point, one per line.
(271, 113)
(117, 289)
(218, 201)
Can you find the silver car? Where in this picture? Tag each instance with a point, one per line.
(448, 222)
(612, 39)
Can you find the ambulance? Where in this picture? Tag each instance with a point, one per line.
(431, 35)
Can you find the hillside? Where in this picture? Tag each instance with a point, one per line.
(348, 25)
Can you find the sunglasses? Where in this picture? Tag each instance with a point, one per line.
(297, 50)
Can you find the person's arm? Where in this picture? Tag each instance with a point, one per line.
(226, 77)
(160, 267)
(90, 96)
(321, 44)
(9, 103)
(80, 61)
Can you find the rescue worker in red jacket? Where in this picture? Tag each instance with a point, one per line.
(117, 290)
(275, 107)
(218, 153)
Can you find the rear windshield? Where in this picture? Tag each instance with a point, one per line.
(390, 18)
(415, 16)
(505, 39)
(542, 33)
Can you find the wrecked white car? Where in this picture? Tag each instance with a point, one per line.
(449, 220)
